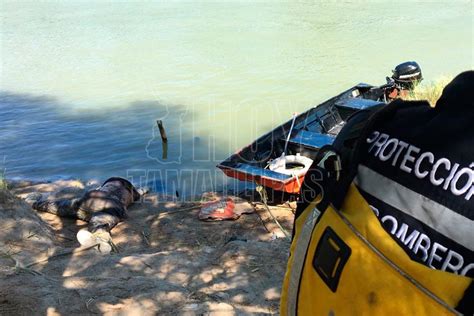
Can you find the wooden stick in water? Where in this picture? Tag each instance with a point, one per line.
(164, 138)
(162, 131)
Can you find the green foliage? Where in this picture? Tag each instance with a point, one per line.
(430, 91)
(3, 180)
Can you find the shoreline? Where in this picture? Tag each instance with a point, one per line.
(48, 186)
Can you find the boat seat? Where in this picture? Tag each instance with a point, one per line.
(261, 172)
(355, 104)
(311, 139)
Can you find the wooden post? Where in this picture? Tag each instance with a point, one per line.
(162, 131)
(164, 139)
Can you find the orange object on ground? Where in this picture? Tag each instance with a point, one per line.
(218, 210)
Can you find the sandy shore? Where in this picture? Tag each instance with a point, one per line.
(168, 262)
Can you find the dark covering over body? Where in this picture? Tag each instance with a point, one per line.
(103, 207)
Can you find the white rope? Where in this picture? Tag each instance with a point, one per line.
(289, 134)
(297, 179)
(263, 196)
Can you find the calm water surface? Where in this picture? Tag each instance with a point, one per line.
(82, 84)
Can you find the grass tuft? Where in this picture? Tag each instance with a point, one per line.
(3, 180)
(430, 91)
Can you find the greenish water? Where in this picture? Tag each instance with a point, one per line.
(83, 83)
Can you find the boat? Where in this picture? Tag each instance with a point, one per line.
(279, 159)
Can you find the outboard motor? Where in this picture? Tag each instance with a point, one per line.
(405, 78)
(407, 75)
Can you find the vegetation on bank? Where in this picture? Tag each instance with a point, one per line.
(3, 181)
(430, 91)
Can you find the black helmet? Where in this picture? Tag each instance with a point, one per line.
(407, 75)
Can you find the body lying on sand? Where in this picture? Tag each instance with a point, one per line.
(103, 208)
(107, 205)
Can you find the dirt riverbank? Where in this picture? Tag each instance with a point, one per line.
(168, 262)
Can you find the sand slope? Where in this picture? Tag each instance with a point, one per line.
(169, 262)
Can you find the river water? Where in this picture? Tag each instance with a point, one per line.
(82, 84)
